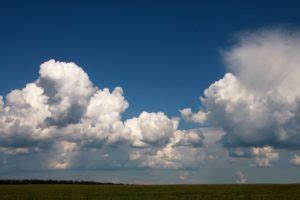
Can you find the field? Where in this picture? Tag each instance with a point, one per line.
(76, 191)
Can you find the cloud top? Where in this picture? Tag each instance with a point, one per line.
(257, 104)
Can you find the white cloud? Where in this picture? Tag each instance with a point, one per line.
(68, 88)
(182, 151)
(295, 160)
(188, 115)
(191, 138)
(23, 117)
(267, 60)
(105, 107)
(258, 103)
(63, 155)
(14, 151)
(241, 178)
(240, 152)
(264, 156)
(151, 129)
(1, 103)
(66, 120)
(169, 157)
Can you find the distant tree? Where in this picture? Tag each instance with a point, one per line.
(40, 181)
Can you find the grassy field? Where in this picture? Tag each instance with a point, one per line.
(222, 192)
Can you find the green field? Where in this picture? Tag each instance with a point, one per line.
(222, 192)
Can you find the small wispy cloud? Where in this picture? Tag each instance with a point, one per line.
(241, 178)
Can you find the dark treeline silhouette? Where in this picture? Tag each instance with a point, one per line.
(38, 181)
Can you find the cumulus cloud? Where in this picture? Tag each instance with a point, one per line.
(257, 104)
(65, 119)
(188, 115)
(295, 160)
(264, 156)
(105, 107)
(151, 128)
(241, 178)
(169, 157)
(189, 138)
(22, 117)
(62, 156)
(181, 152)
(68, 88)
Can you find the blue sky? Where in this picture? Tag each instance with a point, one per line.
(169, 49)
(164, 55)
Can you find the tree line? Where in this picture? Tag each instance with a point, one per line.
(50, 181)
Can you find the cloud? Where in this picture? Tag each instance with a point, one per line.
(151, 129)
(189, 138)
(1, 103)
(182, 151)
(63, 154)
(22, 118)
(267, 60)
(14, 151)
(68, 88)
(241, 178)
(169, 157)
(63, 121)
(105, 107)
(257, 104)
(295, 160)
(264, 156)
(184, 175)
(189, 116)
(240, 152)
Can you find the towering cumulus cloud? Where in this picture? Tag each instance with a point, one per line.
(64, 121)
(257, 104)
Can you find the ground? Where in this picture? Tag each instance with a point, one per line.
(77, 191)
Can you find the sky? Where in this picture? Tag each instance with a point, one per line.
(150, 92)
